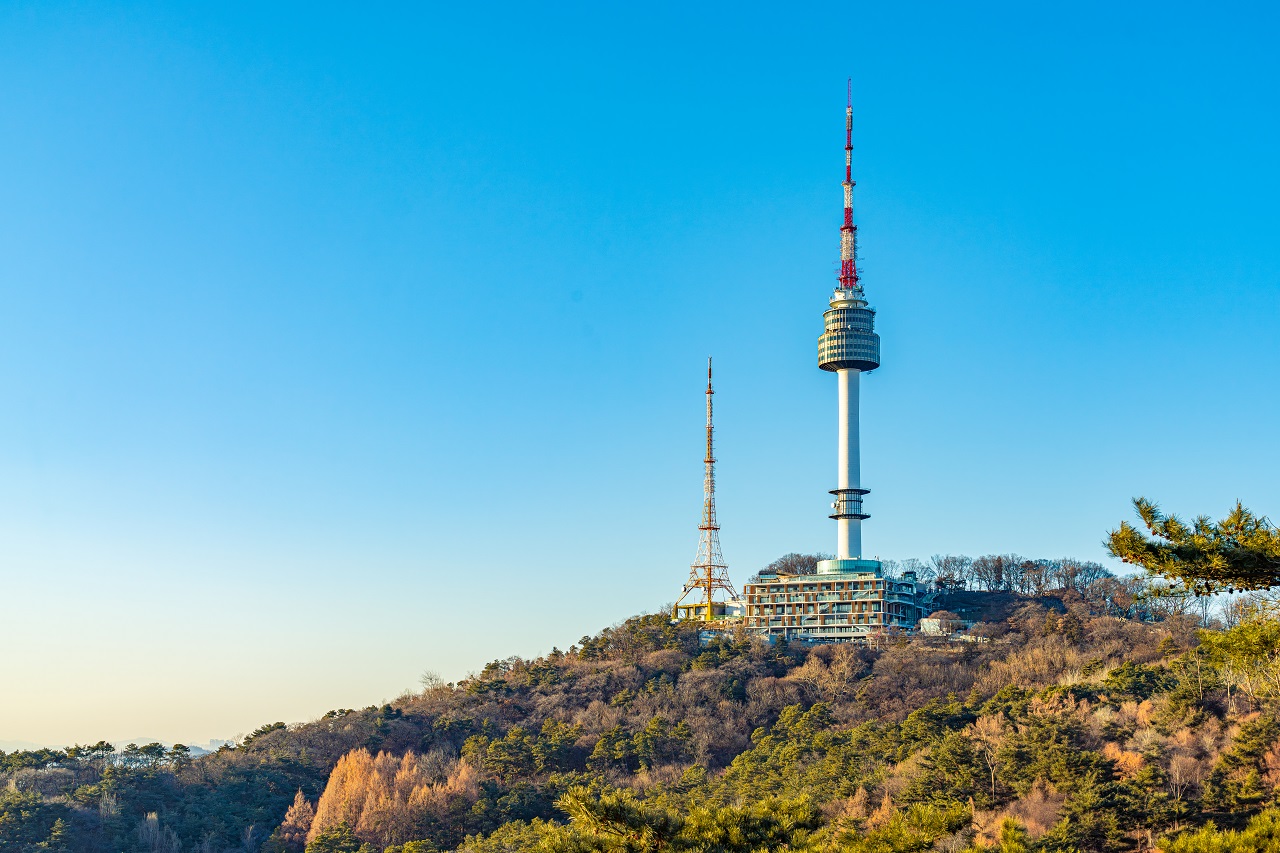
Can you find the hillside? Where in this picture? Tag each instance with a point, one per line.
(1056, 729)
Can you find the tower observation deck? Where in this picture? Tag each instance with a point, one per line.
(848, 347)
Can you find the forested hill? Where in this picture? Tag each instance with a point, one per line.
(1050, 729)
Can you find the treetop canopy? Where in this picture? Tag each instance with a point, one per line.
(1240, 552)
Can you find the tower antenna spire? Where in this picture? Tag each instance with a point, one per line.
(708, 574)
(848, 231)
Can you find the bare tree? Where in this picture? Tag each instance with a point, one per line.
(988, 736)
(1162, 600)
(833, 671)
(951, 570)
(1184, 772)
(1078, 575)
(1033, 577)
(796, 564)
(156, 838)
(432, 682)
(1235, 610)
(996, 571)
(923, 571)
(1115, 596)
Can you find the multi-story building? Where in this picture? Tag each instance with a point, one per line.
(697, 611)
(847, 600)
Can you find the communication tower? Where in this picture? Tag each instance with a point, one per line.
(708, 574)
(848, 347)
(849, 599)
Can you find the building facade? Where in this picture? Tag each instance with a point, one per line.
(845, 601)
(698, 611)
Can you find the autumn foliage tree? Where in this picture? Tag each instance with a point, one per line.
(292, 834)
(390, 800)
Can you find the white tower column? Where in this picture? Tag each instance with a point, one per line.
(848, 530)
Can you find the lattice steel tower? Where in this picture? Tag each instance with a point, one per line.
(848, 347)
(708, 572)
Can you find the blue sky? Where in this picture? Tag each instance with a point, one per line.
(340, 344)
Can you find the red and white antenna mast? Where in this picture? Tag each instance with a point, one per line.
(848, 231)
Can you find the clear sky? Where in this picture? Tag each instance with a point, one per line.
(339, 343)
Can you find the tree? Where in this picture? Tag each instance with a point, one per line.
(996, 571)
(338, 839)
(1247, 657)
(150, 755)
(620, 819)
(297, 823)
(1078, 575)
(922, 570)
(834, 671)
(660, 742)
(179, 755)
(988, 737)
(1033, 577)
(1112, 596)
(386, 800)
(432, 682)
(1242, 551)
(796, 564)
(1262, 833)
(27, 819)
(951, 772)
(951, 570)
(1013, 838)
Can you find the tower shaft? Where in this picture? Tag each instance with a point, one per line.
(848, 526)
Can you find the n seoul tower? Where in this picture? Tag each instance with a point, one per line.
(848, 347)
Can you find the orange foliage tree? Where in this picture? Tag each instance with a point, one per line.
(297, 823)
(389, 800)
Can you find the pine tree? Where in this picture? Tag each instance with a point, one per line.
(1242, 551)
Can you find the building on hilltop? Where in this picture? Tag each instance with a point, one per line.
(845, 601)
(943, 623)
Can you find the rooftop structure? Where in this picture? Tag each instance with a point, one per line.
(708, 575)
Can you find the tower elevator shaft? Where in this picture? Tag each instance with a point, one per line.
(848, 526)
